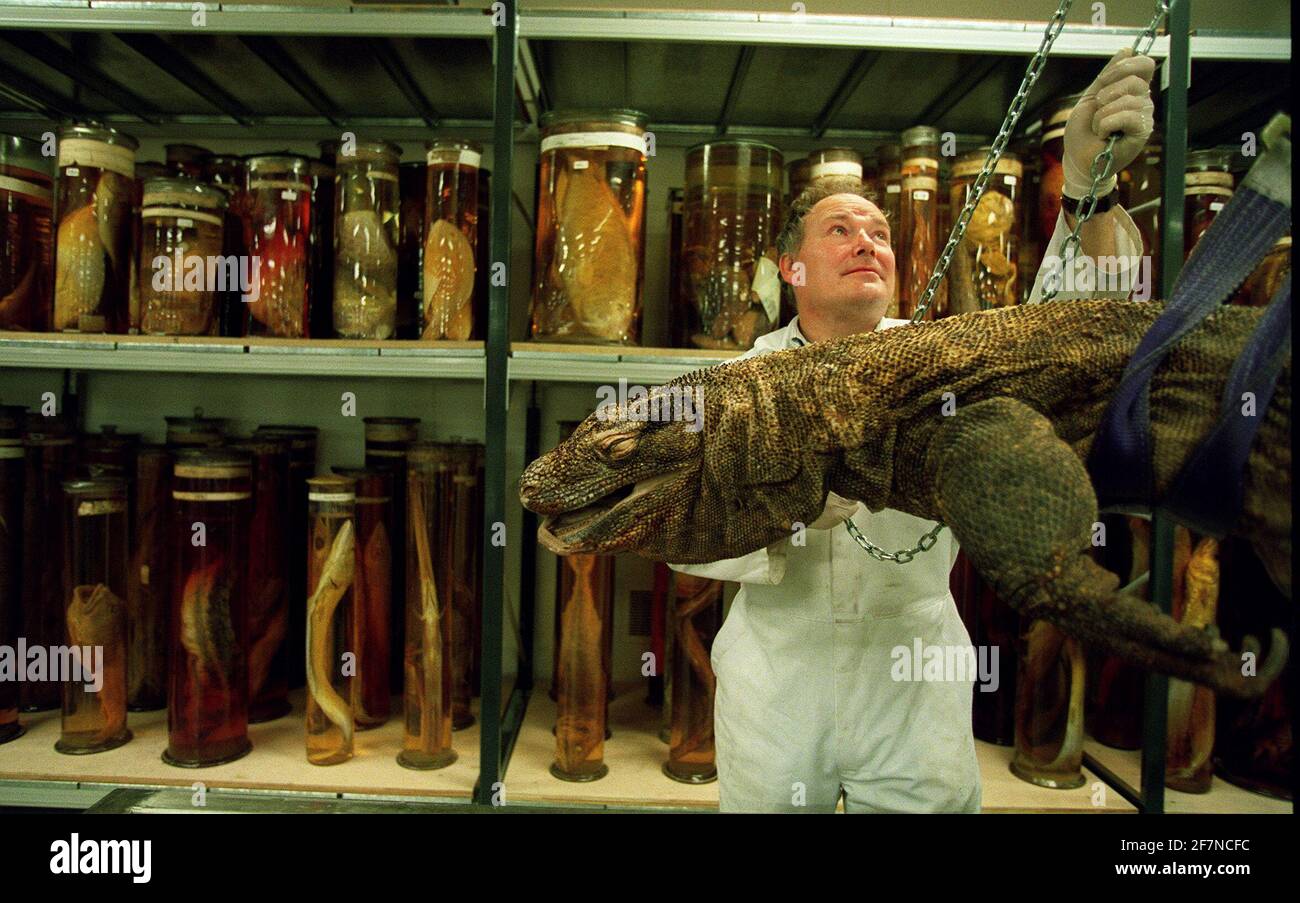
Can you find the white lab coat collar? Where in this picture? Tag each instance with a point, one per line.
(790, 336)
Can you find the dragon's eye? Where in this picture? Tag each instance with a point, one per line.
(618, 446)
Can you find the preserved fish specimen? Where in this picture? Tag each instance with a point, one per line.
(94, 577)
(207, 717)
(985, 270)
(372, 593)
(1190, 728)
(268, 589)
(331, 567)
(410, 249)
(1208, 187)
(49, 458)
(916, 238)
(451, 234)
(590, 227)
(93, 244)
(428, 652)
(11, 559)
(26, 192)
(365, 241)
(276, 232)
(697, 615)
(1049, 708)
(582, 677)
(732, 214)
(148, 584)
(182, 228)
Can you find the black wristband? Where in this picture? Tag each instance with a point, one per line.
(1105, 202)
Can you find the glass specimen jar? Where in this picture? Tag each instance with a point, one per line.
(732, 210)
(182, 227)
(1113, 696)
(277, 232)
(797, 174)
(268, 587)
(984, 272)
(1189, 738)
(1049, 707)
(92, 248)
(144, 171)
(461, 526)
(1261, 285)
(696, 617)
(227, 173)
(411, 179)
(427, 657)
(26, 195)
(1208, 187)
(890, 198)
(582, 667)
(195, 432)
(207, 714)
(11, 558)
(679, 310)
(991, 624)
(320, 281)
(450, 239)
(590, 251)
(834, 162)
(372, 590)
(186, 160)
(917, 237)
(331, 628)
(1051, 151)
(50, 457)
(148, 583)
(94, 587)
(1140, 186)
(386, 441)
(366, 205)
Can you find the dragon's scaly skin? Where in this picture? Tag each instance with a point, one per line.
(1000, 460)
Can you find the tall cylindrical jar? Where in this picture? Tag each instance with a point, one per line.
(797, 176)
(144, 171)
(582, 666)
(148, 583)
(463, 536)
(890, 178)
(372, 589)
(50, 457)
(732, 210)
(450, 239)
(1052, 154)
(226, 173)
(207, 715)
(94, 588)
(1207, 189)
(428, 653)
(366, 204)
(834, 163)
(1049, 707)
(268, 585)
(696, 616)
(917, 237)
(331, 629)
(410, 248)
(196, 431)
(993, 625)
(590, 250)
(277, 233)
(386, 441)
(181, 243)
(26, 255)
(92, 249)
(1189, 744)
(11, 557)
(985, 270)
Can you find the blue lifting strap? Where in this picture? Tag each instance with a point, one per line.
(1120, 461)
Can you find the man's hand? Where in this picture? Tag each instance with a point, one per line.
(1118, 100)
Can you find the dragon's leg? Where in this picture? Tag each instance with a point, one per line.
(1021, 504)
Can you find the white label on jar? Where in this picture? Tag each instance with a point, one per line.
(463, 157)
(185, 217)
(331, 497)
(593, 139)
(581, 164)
(74, 152)
(920, 195)
(288, 195)
(184, 222)
(893, 189)
(1216, 206)
(835, 168)
(1009, 180)
(30, 189)
(72, 171)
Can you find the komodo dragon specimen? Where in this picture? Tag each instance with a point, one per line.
(864, 416)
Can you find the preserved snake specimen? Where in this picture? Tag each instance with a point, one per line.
(448, 283)
(425, 673)
(335, 580)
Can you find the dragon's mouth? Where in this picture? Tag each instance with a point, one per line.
(569, 532)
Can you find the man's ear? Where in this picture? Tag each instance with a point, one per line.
(786, 265)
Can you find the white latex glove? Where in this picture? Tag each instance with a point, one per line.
(836, 509)
(1118, 100)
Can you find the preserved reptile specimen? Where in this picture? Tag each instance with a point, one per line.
(594, 257)
(334, 582)
(1190, 728)
(697, 615)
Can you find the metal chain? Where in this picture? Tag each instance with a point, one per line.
(901, 557)
(1104, 159)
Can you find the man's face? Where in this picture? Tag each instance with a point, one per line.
(847, 258)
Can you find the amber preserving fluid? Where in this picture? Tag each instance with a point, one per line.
(11, 518)
(991, 623)
(26, 195)
(590, 246)
(696, 617)
(1206, 190)
(207, 712)
(1189, 741)
(410, 248)
(985, 270)
(94, 585)
(450, 239)
(277, 232)
(1049, 707)
(889, 176)
(582, 667)
(148, 583)
(386, 441)
(331, 629)
(182, 229)
(916, 237)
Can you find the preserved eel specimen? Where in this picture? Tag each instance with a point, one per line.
(594, 256)
(425, 672)
(96, 618)
(335, 581)
(1190, 736)
(581, 690)
(448, 283)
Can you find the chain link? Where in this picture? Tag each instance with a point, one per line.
(1104, 159)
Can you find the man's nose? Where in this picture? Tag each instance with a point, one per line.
(864, 245)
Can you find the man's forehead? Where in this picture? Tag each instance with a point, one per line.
(845, 205)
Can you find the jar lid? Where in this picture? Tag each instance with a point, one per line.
(453, 144)
(620, 115)
(97, 131)
(738, 143)
(278, 162)
(96, 487)
(25, 152)
(216, 458)
(331, 488)
(919, 134)
(180, 190)
(374, 149)
(1210, 159)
